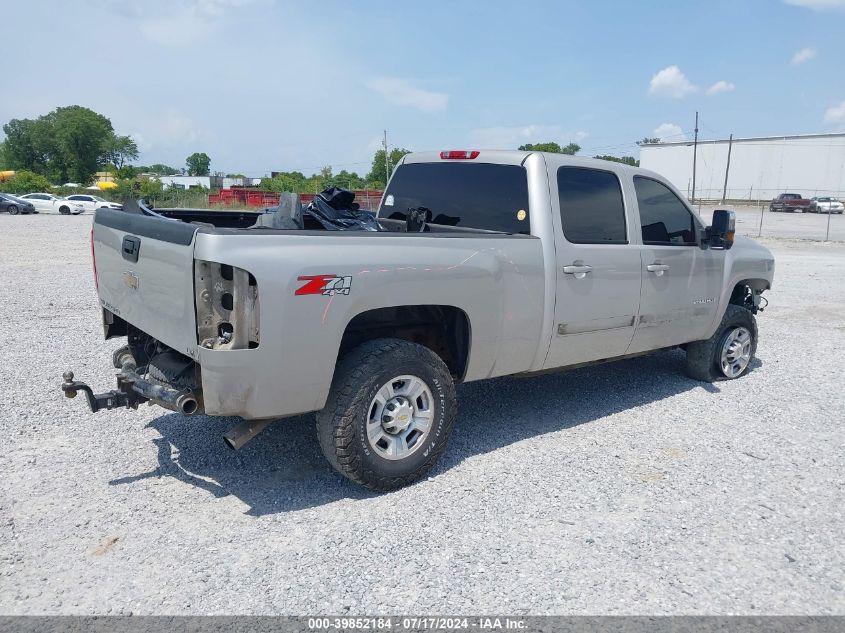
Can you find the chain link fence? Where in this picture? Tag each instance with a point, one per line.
(756, 220)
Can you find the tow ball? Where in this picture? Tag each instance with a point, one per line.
(123, 396)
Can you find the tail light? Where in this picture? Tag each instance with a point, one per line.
(227, 306)
(94, 260)
(459, 154)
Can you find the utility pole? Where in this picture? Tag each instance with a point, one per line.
(386, 160)
(727, 168)
(694, 156)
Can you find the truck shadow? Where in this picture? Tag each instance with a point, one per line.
(283, 469)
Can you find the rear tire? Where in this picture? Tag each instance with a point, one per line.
(735, 338)
(373, 434)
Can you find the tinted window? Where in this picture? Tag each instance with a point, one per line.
(664, 218)
(468, 195)
(591, 207)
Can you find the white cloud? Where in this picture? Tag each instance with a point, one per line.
(720, 86)
(818, 5)
(669, 132)
(804, 55)
(177, 23)
(402, 92)
(168, 129)
(671, 82)
(511, 137)
(835, 116)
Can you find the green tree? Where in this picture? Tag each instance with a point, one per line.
(28, 145)
(649, 140)
(25, 182)
(347, 180)
(378, 175)
(551, 147)
(80, 135)
(119, 150)
(160, 170)
(68, 143)
(198, 164)
(628, 160)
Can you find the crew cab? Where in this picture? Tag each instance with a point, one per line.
(790, 202)
(488, 263)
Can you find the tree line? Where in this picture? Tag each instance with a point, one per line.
(574, 148)
(70, 144)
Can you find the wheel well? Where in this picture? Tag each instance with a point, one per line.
(746, 293)
(442, 329)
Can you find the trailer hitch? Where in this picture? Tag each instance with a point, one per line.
(123, 396)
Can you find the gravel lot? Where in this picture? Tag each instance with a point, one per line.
(807, 226)
(623, 488)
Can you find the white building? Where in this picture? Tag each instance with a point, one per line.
(206, 182)
(760, 168)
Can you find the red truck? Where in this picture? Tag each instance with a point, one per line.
(790, 202)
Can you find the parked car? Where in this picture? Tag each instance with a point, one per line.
(15, 205)
(92, 203)
(47, 202)
(484, 264)
(825, 205)
(790, 202)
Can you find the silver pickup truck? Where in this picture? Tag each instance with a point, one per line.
(488, 264)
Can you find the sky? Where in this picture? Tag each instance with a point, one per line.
(263, 85)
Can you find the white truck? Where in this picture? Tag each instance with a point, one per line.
(488, 264)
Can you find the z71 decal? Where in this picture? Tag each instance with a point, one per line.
(328, 285)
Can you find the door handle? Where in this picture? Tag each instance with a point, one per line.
(579, 270)
(574, 270)
(657, 269)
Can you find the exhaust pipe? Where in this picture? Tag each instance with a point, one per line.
(187, 404)
(236, 437)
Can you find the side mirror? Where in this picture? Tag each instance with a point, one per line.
(722, 230)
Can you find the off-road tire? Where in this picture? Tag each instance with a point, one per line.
(703, 356)
(341, 425)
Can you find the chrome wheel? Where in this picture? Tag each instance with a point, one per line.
(736, 352)
(399, 418)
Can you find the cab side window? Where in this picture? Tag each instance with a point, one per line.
(664, 218)
(591, 207)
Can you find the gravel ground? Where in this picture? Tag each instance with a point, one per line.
(622, 488)
(807, 226)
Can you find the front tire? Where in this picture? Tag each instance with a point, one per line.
(13, 209)
(729, 352)
(389, 413)
(64, 210)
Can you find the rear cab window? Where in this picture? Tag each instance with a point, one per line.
(477, 196)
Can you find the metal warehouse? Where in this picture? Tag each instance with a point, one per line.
(758, 168)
